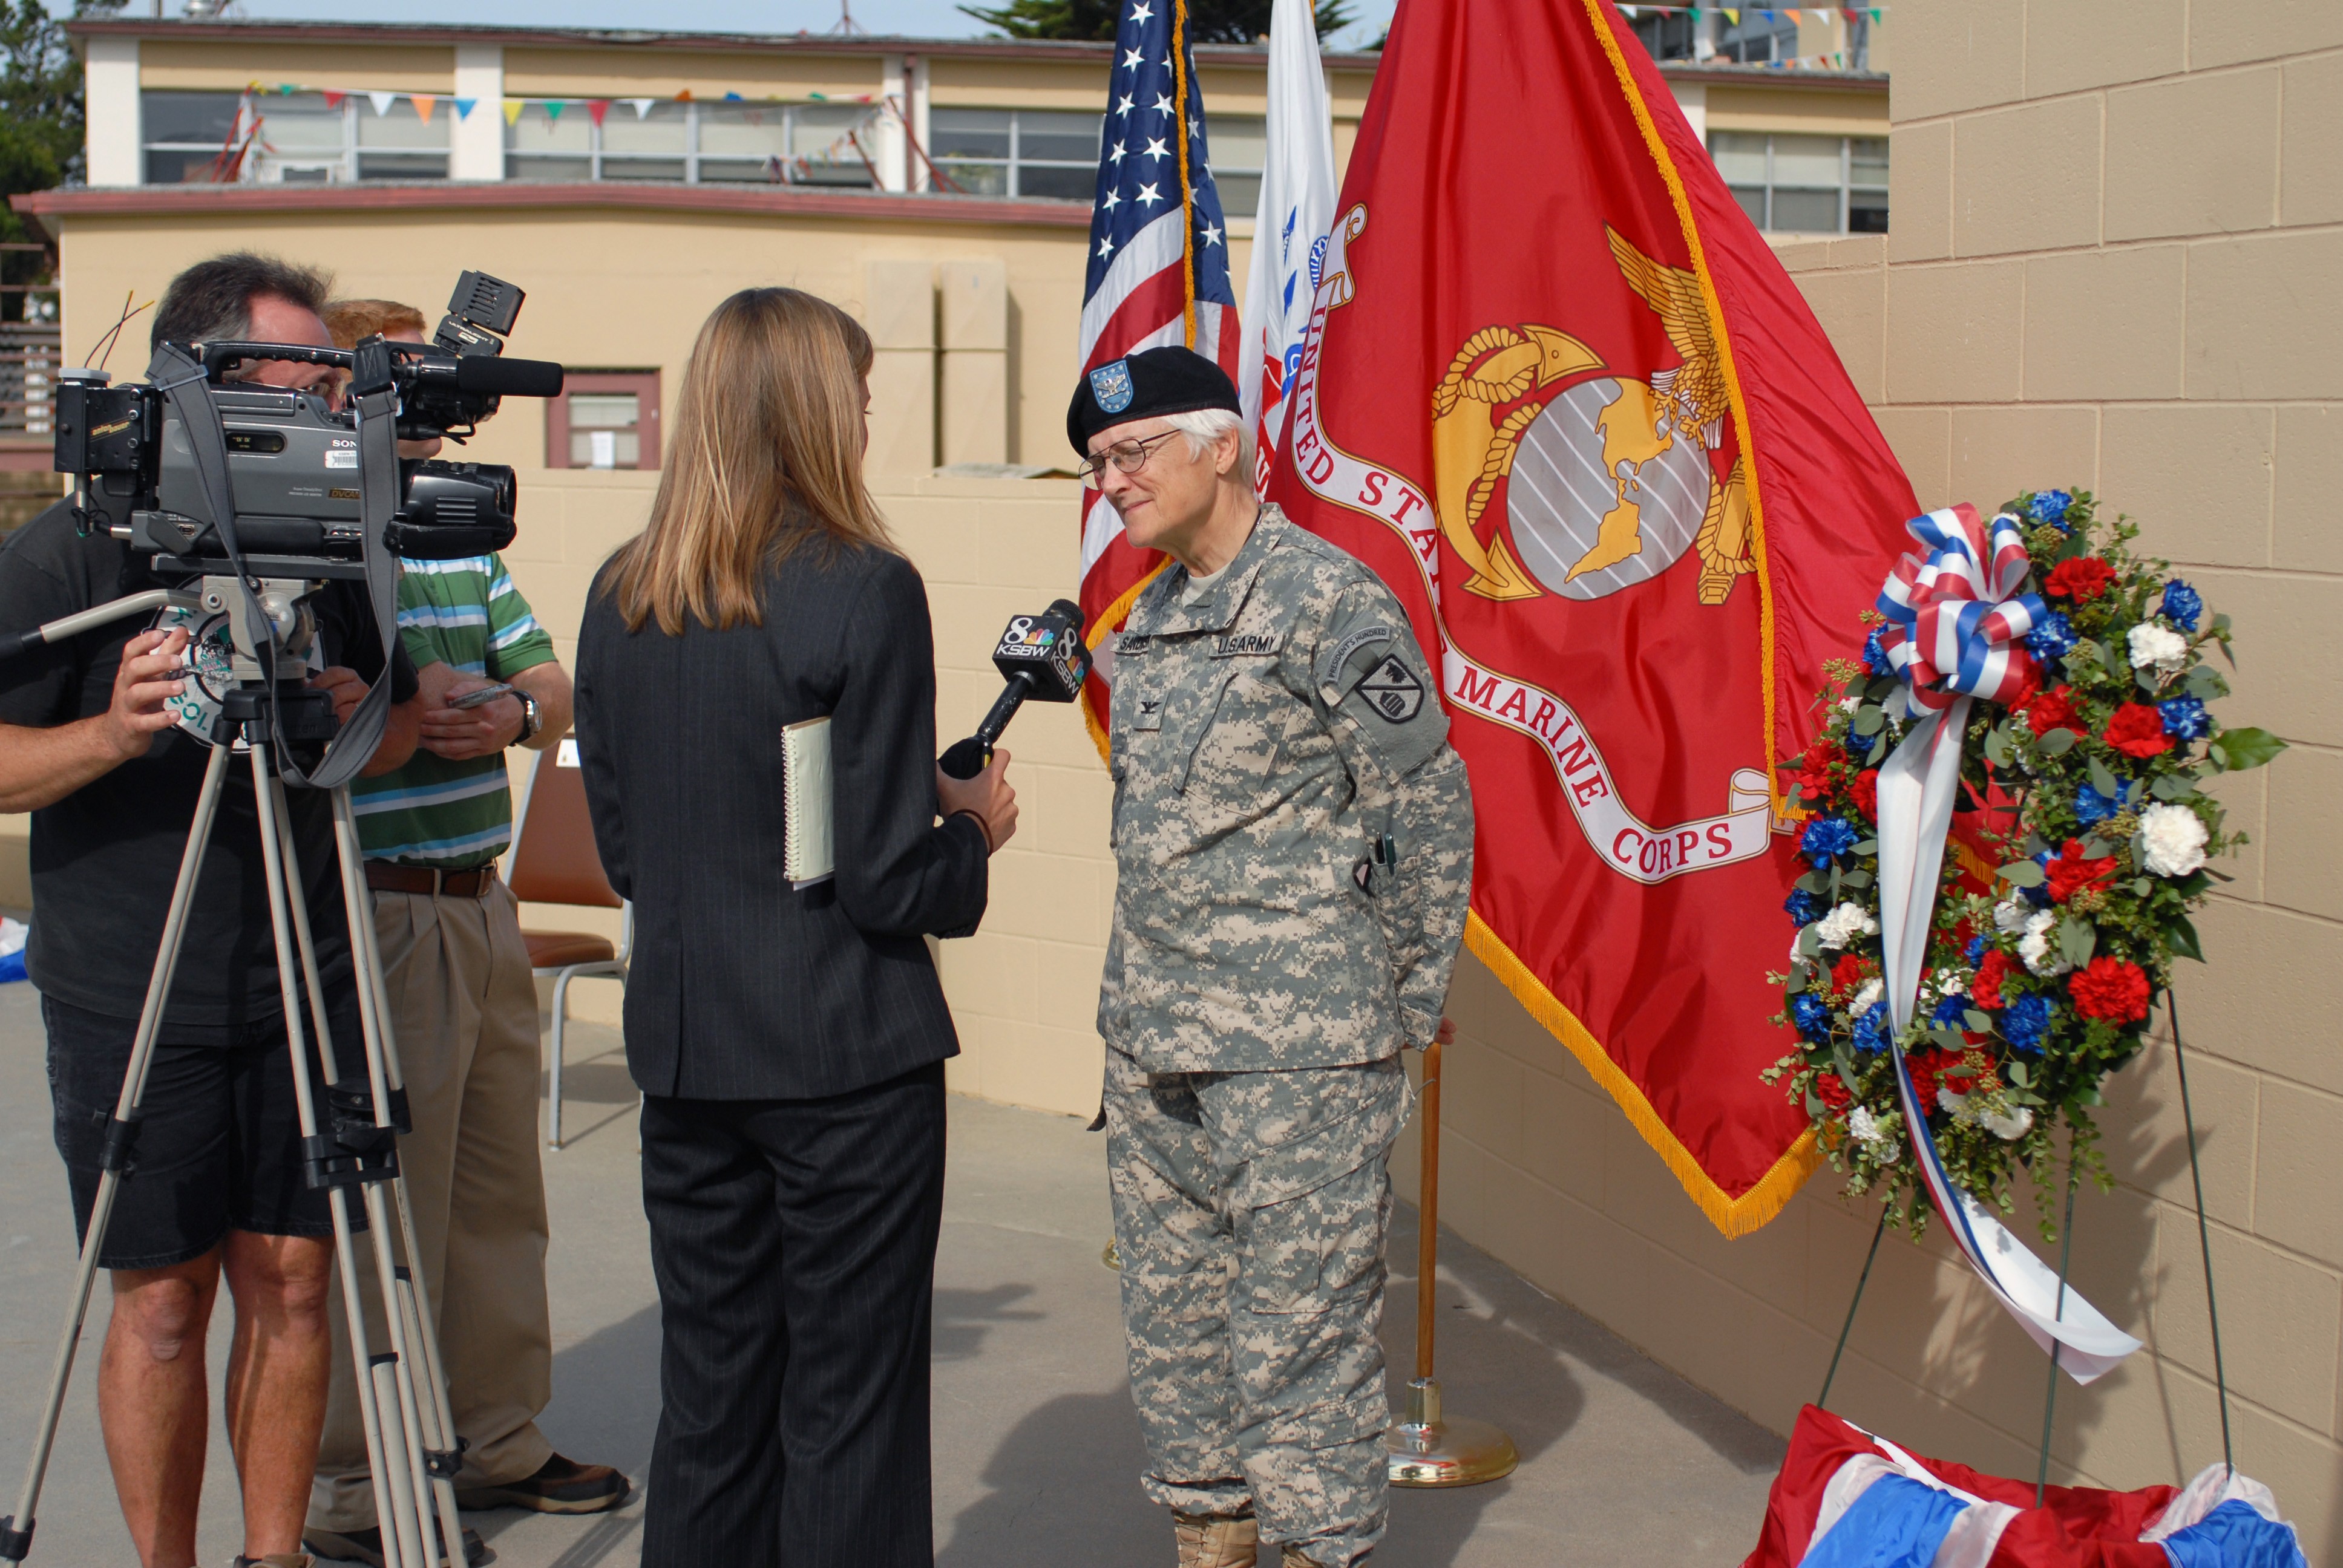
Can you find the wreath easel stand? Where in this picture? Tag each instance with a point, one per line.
(2066, 1245)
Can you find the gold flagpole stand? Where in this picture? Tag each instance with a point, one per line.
(1426, 1447)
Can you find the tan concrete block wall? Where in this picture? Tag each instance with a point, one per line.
(2112, 265)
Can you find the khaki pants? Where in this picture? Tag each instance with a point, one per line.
(464, 1014)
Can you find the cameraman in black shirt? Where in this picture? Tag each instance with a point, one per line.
(89, 746)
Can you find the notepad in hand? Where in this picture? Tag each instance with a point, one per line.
(808, 853)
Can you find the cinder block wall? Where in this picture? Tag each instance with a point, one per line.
(2115, 261)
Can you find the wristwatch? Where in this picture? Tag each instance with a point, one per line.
(531, 721)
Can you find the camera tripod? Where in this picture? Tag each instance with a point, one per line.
(412, 1449)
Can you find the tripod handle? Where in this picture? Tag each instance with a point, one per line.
(67, 626)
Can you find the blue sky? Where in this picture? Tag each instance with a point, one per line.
(919, 18)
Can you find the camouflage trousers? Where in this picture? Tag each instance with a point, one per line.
(1250, 1212)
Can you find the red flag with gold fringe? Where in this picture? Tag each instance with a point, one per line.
(1559, 393)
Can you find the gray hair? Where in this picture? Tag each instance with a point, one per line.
(1204, 426)
(211, 302)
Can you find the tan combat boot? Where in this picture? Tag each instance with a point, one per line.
(1216, 1540)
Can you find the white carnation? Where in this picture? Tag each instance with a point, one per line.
(2034, 947)
(1849, 704)
(1864, 1128)
(1843, 924)
(2154, 644)
(1955, 1105)
(2175, 839)
(2009, 915)
(1871, 991)
(2009, 1129)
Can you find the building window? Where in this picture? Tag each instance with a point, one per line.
(691, 143)
(291, 138)
(1760, 38)
(1240, 145)
(1017, 152)
(1806, 185)
(604, 419)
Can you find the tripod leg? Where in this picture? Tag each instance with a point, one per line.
(402, 1429)
(16, 1539)
(394, 1496)
(435, 1410)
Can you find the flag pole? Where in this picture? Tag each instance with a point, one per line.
(1186, 133)
(1425, 1447)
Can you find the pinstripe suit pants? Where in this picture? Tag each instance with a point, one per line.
(794, 1242)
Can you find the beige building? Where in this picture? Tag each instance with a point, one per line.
(2116, 262)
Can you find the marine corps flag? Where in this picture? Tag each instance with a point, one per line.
(1557, 391)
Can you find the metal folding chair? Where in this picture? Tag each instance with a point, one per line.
(554, 861)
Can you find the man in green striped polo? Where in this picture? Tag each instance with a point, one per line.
(464, 1014)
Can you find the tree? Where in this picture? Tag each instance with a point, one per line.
(41, 125)
(1209, 21)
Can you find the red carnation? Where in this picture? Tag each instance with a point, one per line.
(2052, 710)
(1930, 1068)
(2082, 580)
(2112, 989)
(1818, 767)
(2071, 871)
(2137, 730)
(1865, 789)
(1832, 1091)
(1985, 991)
(1848, 973)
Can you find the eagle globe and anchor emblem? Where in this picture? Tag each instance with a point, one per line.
(1611, 476)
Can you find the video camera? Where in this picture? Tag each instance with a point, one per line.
(293, 459)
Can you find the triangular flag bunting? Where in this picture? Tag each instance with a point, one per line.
(597, 108)
(553, 107)
(642, 107)
(382, 102)
(512, 111)
(1733, 16)
(423, 102)
(334, 99)
(285, 88)
(684, 96)
(464, 107)
(732, 97)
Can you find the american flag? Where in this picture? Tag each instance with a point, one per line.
(1159, 273)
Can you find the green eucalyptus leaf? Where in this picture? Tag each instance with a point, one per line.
(1865, 847)
(1979, 1022)
(2018, 1073)
(2077, 939)
(2056, 743)
(2180, 936)
(2141, 887)
(2103, 778)
(1810, 942)
(1795, 982)
(2024, 874)
(1814, 883)
(2173, 786)
(1997, 746)
(2096, 848)
(2206, 683)
(2246, 748)
(1867, 719)
(1857, 878)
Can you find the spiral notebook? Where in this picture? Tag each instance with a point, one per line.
(808, 854)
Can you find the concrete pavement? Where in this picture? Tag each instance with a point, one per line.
(1036, 1450)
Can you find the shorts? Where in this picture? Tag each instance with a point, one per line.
(219, 1142)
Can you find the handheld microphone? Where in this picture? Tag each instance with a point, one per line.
(1039, 655)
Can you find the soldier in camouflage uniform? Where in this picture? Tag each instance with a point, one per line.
(1294, 839)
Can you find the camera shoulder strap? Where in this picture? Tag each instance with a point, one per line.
(181, 380)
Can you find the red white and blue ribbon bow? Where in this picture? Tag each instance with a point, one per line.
(1955, 615)
(1956, 618)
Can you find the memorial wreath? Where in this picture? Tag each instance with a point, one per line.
(2080, 842)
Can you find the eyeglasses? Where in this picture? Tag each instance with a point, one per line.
(1127, 456)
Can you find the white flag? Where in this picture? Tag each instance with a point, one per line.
(1290, 225)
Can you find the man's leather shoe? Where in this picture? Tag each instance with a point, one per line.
(559, 1486)
(366, 1546)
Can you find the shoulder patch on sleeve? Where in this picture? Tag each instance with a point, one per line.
(1330, 665)
(1391, 690)
(1396, 710)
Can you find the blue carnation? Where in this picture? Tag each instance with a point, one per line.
(1871, 1029)
(2025, 1021)
(1975, 950)
(1812, 1017)
(2184, 719)
(2050, 640)
(1826, 838)
(1950, 1012)
(2050, 507)
(1803, 906)
(1875, 652)
(2091, 807)
(2182, 604)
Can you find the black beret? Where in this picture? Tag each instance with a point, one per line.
(1147, 385)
